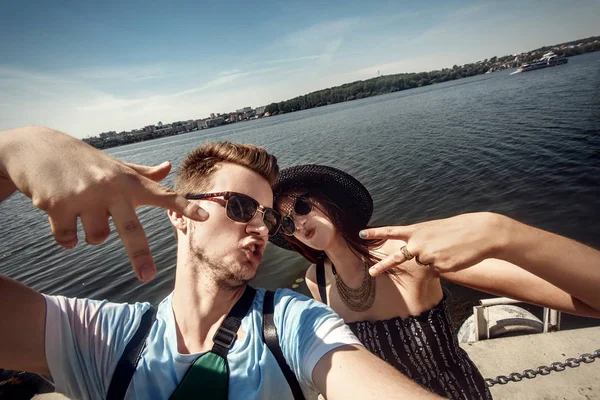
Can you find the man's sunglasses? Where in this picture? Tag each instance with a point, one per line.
(242, 208)
(302, 206)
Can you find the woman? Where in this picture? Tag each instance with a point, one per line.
(401, 315)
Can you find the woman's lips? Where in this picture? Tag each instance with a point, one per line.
(309, 233)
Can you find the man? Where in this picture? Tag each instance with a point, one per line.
(221, 236)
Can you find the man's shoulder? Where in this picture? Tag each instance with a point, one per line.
(88, 302)
(292, 297)
(86, 309)
(291, 306)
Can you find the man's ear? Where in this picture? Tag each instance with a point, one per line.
(177, 220)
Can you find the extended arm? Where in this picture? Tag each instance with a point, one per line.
(497, 254)
(351, 372)
(23, 313)
(69, 179)
(568, 264)
(502, 278)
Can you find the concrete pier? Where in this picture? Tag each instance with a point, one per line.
(514, 354)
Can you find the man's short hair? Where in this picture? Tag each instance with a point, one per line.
(195, 171)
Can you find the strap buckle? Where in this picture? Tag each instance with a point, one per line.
(224, 337)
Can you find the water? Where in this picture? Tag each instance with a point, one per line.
(526, 145)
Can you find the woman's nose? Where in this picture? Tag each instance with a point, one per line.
(299, 221)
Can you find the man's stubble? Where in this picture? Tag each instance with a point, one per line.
(225, 275)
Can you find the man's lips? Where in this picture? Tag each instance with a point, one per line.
(253, 257)
(254, 252)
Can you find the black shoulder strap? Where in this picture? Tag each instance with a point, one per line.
(272, 340)
(320, 267)
(226, 334)
(130, 358)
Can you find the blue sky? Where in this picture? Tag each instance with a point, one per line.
(86, 67)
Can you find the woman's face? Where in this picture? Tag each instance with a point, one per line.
(314, 229)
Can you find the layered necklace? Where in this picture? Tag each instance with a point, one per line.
(361, 298)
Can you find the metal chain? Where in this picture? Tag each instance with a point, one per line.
(585, 358)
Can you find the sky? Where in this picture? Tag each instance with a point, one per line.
(86, 67)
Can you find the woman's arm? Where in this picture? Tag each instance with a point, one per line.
(502, 256)
(570, 265)
(502, 278)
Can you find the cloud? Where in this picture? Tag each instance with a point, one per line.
(73, 106)
(120, 73)
(220, 81)
(324, 39)
(320, 32)
(230, 72)
(287, 60)
(143, 104)
(458, 22)
(25, 82)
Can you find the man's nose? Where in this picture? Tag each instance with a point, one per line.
(257, 225)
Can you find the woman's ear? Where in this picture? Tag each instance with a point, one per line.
(177, 220)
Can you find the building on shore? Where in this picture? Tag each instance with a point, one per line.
(210, 122)
(260, 110)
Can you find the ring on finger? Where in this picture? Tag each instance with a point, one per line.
(420, 263)
(406, 253)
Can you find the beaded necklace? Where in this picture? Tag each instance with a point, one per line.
(361, 298)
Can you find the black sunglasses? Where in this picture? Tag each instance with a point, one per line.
(242, 208)
(302, 206)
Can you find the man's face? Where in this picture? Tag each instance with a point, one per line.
(230, 251)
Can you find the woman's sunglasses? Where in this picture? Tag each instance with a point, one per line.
(302, 206)
(242, 208)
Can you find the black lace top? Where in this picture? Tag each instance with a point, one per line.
(424, 348)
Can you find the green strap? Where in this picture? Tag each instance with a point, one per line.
(208, 378)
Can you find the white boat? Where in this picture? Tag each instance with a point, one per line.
(548, 60)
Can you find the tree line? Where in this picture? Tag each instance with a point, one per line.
(393, 83)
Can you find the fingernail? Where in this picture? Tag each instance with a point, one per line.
(203, 214)
(372, 271)
(71, 245)
(362, 234)
(147, 272)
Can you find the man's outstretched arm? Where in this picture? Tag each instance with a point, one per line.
(23, 315)
(352, 372)
(69, 179)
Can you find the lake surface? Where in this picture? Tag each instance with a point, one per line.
(525, 145)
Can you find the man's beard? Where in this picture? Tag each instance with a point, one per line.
(227, 276)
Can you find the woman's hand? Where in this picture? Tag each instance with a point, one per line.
(446, 245)
(69, 179)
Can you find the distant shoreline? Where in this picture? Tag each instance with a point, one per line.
(376, 86)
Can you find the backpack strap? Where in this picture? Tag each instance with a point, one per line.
(226, 335)
(208, 376)
(272, 340)
(123, 373)
(320, 269)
